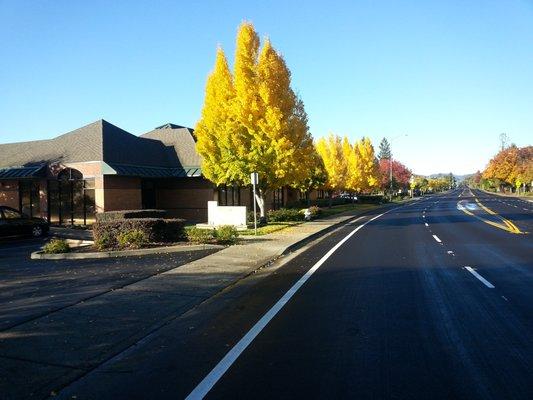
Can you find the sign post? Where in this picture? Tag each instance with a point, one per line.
(254, 177)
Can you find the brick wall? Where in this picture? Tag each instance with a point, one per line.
(185, 197)
(121, 193)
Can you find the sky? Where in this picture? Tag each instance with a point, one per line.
(441, 79)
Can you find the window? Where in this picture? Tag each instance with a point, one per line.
(229, 195)
(11, 214)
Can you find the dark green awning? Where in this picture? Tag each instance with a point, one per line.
(156, 172)
(22, 172)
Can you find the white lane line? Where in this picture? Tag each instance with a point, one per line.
(220, 369)
(485, 282)
(425, 223)
(437, 238)
(525, 209)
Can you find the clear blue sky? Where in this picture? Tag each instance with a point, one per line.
(451, 74)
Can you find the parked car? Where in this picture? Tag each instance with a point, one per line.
(14, 223)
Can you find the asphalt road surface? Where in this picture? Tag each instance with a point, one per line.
(432, 300)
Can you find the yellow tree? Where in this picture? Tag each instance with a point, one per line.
(368, 165)
(352, 160)
(266, 125)
(214, 131)
(330, 150)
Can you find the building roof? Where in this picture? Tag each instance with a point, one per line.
(169, 147)
(179, 141)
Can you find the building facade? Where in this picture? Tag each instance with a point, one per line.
(101, 167)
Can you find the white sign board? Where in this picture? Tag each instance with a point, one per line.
(254, 178)
(226, 215)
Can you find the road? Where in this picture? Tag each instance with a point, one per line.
(431, 300)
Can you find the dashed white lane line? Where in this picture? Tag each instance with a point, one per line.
(425, 223)
(201, 390)
(437, 238)
(483, 280)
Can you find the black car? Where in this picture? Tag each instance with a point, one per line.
(14, 223)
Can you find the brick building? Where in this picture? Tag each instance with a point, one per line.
(101, 167)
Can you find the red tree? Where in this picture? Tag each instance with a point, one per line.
(400, 174)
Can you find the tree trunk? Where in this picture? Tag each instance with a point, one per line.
(308, 195)
(330, 193)
(260, 198)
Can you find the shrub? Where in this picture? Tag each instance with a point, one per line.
(134, 239)
(315, 211)
(285, 214)
(155, 230)
(226, 234)
(129, 214)
(198, 235)
(105, 241)
(56, 246)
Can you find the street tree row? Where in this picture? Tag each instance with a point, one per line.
(511, 167)
(253, 121)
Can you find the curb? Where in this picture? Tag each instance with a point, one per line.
(330, 228)
(40, 255)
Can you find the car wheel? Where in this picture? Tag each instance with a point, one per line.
(37, 231)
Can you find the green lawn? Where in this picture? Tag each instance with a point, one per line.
(326, 212)
(269, 228)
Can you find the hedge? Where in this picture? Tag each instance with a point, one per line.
(129, 214)
(155, 230)
(285, 214)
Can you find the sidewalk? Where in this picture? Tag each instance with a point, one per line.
(42, 356)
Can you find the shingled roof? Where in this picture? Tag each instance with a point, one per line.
(166, 151)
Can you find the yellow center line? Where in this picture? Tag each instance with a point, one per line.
(509, 225)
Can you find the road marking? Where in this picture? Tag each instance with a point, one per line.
(505, 298)
(437, 238)
(485, 282)
(450, 252)
(425, 223)
(200, 391)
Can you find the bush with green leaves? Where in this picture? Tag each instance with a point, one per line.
(226, 234)
(133, 239)
(56, 246)
(156, 230)
(285, 215)
(105, 241)
(198, 235)
(315, 211)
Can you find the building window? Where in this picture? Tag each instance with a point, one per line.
(29, 197)
(278, 199)
(229, 195)
(71, 199)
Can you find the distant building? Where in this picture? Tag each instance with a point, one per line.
(101, 167)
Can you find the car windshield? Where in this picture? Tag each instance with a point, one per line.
(11, 214)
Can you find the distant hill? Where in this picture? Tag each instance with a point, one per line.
(458, 178)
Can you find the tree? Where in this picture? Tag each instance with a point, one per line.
(215, 129)
(384, 150)
(331, 151)
(401, 175)
(369, 168)
(263, 124)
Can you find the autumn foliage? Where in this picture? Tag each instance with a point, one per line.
(512, 166)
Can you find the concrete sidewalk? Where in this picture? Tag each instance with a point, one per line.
(42, 356)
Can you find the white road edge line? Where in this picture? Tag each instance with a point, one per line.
(437, 238)
(200, 391)
(485, 282)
